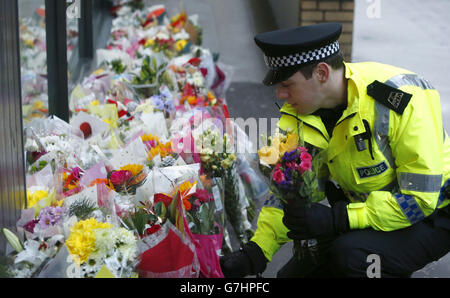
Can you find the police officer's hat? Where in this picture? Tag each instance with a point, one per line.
(287, 50)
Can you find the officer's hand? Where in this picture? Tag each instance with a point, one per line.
(249, 260)
(316, 220)
(334, 194)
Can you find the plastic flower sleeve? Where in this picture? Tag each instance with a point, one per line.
(167, 254)
(223, 78)
(136, 151)
(88, 124)
(80, 98)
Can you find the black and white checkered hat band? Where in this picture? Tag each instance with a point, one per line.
(301, 58)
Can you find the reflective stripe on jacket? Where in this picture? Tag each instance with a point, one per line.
(398, 181)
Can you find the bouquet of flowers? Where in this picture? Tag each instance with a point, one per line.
(293, 172)
(94, 244)
(127, 179)
(165, 246)
(152, 75)
(218, 161)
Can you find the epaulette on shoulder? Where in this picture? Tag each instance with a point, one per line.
(393, 98)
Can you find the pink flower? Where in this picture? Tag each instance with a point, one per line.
(77, 172)
(203, 195)
(278, 176)
(120, 177)
(305, 166)
(292, 165)
(302, 149)
(305, 156)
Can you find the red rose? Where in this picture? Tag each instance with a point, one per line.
(85, 127)
(153, 229)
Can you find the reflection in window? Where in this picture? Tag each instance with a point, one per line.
(33, 59)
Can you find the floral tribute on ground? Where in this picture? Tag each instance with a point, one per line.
(135, 185)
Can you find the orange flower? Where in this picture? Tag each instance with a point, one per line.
(107, 182)
(99, 181)
(192, 100)
(186, 204)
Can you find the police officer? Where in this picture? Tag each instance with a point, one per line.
(388, 162)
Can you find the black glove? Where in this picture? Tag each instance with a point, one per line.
(334, 194)
(315, 221)
(249, 260)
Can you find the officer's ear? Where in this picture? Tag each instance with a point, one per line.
(322, 72)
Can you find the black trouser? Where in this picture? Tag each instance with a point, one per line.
(400, 252)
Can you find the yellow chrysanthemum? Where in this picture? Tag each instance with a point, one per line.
(81, 241)
(95, 103)
(134, 169)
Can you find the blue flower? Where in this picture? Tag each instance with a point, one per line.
(158, 102)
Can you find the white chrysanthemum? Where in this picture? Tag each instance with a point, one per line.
(198, 79)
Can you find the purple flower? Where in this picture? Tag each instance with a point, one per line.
(287, 174)
(49, 216)
(45, 221)
(289, 156)
(157, 102)
(169, 106)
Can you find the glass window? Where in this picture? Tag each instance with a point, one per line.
(33, 59)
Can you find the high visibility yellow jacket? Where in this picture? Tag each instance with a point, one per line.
(398, 181)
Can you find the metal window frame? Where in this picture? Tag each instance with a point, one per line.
(12, 161)
(57, 78)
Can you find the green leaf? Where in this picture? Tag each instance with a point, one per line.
(160, 210)
(82, 209)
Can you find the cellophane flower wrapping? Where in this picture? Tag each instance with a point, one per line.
(203, 221)
(218, 160)
(116, 155)
(168, 253)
